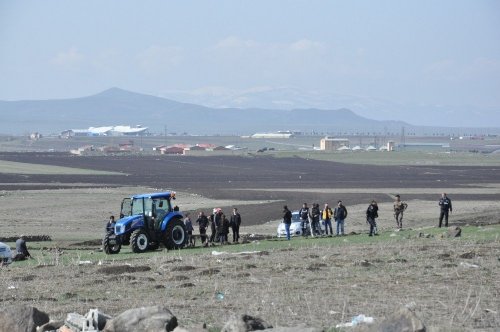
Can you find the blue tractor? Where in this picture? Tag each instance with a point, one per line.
(146, 221)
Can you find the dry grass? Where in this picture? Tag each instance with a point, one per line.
(313, 282)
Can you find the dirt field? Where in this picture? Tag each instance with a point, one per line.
(453, 284)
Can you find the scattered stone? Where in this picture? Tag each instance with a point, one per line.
(425, 235)
(245, 323)
(453, 232)
(469, 266)
(151, 319)
(363, 262)
(22, 318)
(402, 320)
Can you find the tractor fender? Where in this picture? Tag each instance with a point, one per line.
(168, 217)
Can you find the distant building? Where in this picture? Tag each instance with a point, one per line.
(106, 131)
(278, 134)
(35, 136)
(333, 144)
(172, 150)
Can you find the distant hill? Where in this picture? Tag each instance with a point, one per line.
(120, 107)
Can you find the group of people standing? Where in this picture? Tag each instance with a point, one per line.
(219, 226)
(310, 217)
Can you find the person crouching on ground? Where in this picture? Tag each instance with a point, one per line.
(21, 249)
(371, 215)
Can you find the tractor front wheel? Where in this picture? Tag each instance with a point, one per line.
(139, 241)
(176, 235)
(110, 244)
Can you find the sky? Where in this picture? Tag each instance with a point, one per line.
(415, 52)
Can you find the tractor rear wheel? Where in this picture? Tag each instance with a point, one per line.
(139, 241)
(175, 235)
(110, 246)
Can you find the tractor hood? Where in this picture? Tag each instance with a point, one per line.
(126, 223)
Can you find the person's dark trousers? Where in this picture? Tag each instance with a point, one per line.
(444, 213)
(236, 233)
(203, 235)
(373, 224)
(328, 224)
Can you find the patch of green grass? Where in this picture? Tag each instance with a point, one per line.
(47, 253)
(13, 167)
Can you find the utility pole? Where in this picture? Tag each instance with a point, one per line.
(403, 139)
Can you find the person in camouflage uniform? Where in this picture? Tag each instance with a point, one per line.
(399, 208)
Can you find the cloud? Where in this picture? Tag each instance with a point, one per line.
(71, 58)
(233, 42)
(157, 58)
(305, 45)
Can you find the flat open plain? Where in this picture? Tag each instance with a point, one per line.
(316, 282)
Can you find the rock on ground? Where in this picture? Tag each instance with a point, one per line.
(21, 318)
(404, 320)
(245, 323)
(151, 319)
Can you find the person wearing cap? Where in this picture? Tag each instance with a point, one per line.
(21, 249)
(213, 230)
(399, 208)
(339, 214)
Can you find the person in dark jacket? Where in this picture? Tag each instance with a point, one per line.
(314, 216)
(219, 226)
(203, 224)
(213, 228)
(225, 230)
(371, 215)
(110, 225)
(235, 224)
(339, 214)
(287, 220)
(304, 218)
(189, 229)
(445, 205)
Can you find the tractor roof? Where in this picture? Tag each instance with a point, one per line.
(167, 194)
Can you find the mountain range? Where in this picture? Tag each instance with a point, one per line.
(120, 107)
